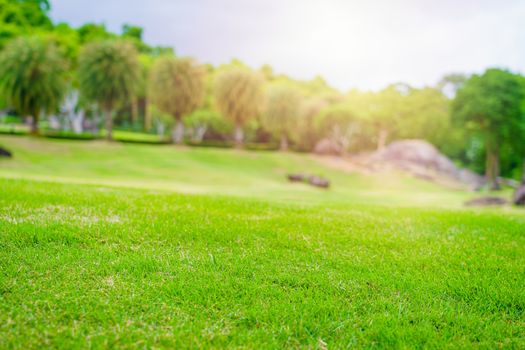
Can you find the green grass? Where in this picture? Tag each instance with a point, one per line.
(213, 249)
(15, 129)
(212, 171)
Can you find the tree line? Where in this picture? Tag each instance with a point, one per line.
(477, 120)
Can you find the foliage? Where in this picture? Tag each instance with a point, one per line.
(398, 111)
(306, 133)
(426, 116)
(108, 74)
(238, 95)
(31, 77)
(340, 124)
(281, 111)
(25, 14)
(490, 106)
(205, 124)
(177, 87)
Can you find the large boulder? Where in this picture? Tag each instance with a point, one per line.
(421, 158)
(475, 181)
(407, 153)
(328, 147)
(519, 195)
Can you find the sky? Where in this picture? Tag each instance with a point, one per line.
(351, 43)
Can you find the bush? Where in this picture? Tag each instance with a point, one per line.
(69, 135)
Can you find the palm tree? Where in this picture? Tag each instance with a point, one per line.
(238, 96)
(177, 88)
(31, 77)
(108, 74)
(281, 112)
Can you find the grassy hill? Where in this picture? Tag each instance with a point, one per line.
(155, 246)
(213, 171)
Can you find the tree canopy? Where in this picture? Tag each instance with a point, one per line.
(281, 111)
(239, 97)
(490, 106)
(108, 74)
(177, 87)
(32, 77)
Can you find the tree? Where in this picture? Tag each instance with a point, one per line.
(427, 116)
(281, 112)
(340, 124)
(32, 77)
(108, 74)
(177, 87)
(306, 135)
(90, 32)
(381, 110)
(489, 106)
(25, 13)
(238, 95)
(451, 83)
(385, 109)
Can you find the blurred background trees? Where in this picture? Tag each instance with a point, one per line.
(31, 78)
(239, 97)
(490, 107)
(177, 87)
(108, 74)
(64, 78)
(281, 112)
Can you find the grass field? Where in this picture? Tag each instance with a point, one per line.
(135, 246)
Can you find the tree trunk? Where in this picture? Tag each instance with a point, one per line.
(492, 169)
(34, 124)
(134, 111)
(109, 123)
(381, 141)
(147, 116)
(523, 174)
(239, 136)
(284, 143)
(178, 132)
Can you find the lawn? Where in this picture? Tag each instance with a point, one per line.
(161, 247)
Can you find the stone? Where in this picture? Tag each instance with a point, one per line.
(421, 157)
(519, 196)
(296, 177)
(420, 153)
(475, 181)
(318, 181)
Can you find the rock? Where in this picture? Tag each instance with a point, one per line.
(486, 202)
(475, 181)
(425, 177)
(296, 177)
(5, 153)
(328, 147)
(313, 180)
(418, 153)
(420, 157)
(519, 196)
(318, 181)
